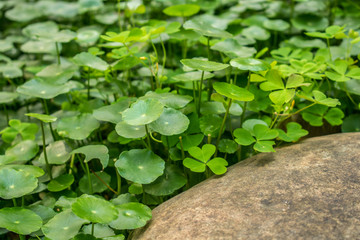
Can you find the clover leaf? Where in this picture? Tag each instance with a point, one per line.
(202, 159)
(294, 132)
(260, 135)
(26, 130)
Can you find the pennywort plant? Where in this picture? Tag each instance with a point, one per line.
(109, 108)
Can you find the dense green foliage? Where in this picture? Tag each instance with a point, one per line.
(109, 108)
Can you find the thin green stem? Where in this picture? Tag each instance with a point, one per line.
(14, 202)
(92, 229)
(274, 121)
(182, 148)
(89, 178)
(88, 85)
(245, 104)
(48, 167)
(148, 136)
(72, 163)
(57, 53)
(298, 111)
(118, 180)
(223, 125)
(48, 113)
(194, 94)
(200, 88)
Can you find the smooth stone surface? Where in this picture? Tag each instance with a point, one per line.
(310, 190)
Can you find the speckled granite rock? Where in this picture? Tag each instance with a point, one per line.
(310, 190)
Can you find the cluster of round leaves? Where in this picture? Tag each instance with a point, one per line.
(181, 120)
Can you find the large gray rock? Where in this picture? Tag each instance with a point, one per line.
(310, 190)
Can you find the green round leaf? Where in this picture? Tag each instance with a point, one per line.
(63, 226)
(111, 113)
(41, 29)
(256, 32)
(128, 131)
(171, 122)
(20, 220)
(143, 112)
(100, 152)
(309, 22)
(23, 151)
(39, 47)
(100, 230)
(140, 165)
(42, 89)
(77, 127)
(57, 74)
(191, 76)
(42, 117)
(23, 12)
(227, 146)
(60, 183)
(232, 91)
(249, 64)
(131, 215)
(7, 97)
(204, 65)
(182, 10)
(57, 152)
(27, 169)
(95, 210)
(172, 179)
(206, 29)
(276, 25)
(91, 61)
(14, 184)
(210, 124)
